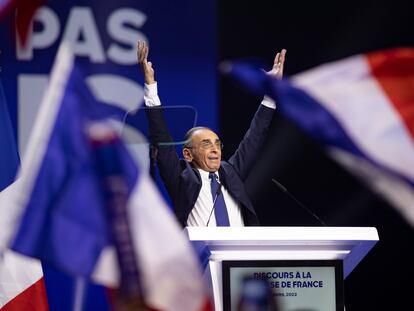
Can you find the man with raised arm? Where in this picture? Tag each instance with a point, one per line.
(204, 189)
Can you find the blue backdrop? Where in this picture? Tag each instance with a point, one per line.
(183, 49)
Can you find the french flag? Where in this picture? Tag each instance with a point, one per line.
(22, 285)
(63, 201)
(361, 110)
(6, 6)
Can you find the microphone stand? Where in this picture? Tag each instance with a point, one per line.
(214, 203)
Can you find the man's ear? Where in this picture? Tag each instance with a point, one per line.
(187, 155)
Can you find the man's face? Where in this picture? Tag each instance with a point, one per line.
(205, 150)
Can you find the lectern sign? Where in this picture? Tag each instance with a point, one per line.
(294, 285)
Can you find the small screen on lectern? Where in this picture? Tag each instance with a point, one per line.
(293, 285)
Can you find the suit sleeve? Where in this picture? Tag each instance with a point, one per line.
(249, 148)
(167, 158)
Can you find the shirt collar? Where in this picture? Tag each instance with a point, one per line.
(204, 175)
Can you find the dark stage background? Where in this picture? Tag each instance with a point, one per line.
(314, 33)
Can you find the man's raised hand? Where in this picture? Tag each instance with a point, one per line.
(277, 70)
(146, 66)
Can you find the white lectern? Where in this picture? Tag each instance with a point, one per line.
(348, 244)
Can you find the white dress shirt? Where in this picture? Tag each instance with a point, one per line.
(203, 208)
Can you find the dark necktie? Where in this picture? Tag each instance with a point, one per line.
(220, 209)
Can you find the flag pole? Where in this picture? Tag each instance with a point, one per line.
(79, 295)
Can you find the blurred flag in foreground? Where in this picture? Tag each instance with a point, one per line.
(361, 109)
(65, 218)
(6, 6)
(21, 278)
(25, 13)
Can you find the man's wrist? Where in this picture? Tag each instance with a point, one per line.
(149, 80)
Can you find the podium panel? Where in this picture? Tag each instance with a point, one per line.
(279, 247)
(293, 284)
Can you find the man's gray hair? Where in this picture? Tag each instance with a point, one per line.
(189, 134)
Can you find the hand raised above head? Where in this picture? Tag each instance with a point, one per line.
(277, 70)
(146, 66)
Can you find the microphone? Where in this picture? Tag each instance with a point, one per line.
(214, 203)
(283, 188)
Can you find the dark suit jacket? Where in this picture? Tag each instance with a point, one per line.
(183, 182)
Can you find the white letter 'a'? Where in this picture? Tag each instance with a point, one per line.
(82, 34)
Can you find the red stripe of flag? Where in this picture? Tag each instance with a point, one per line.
(25, 13)
(6, 6)
(394, 71)
(31, 299)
